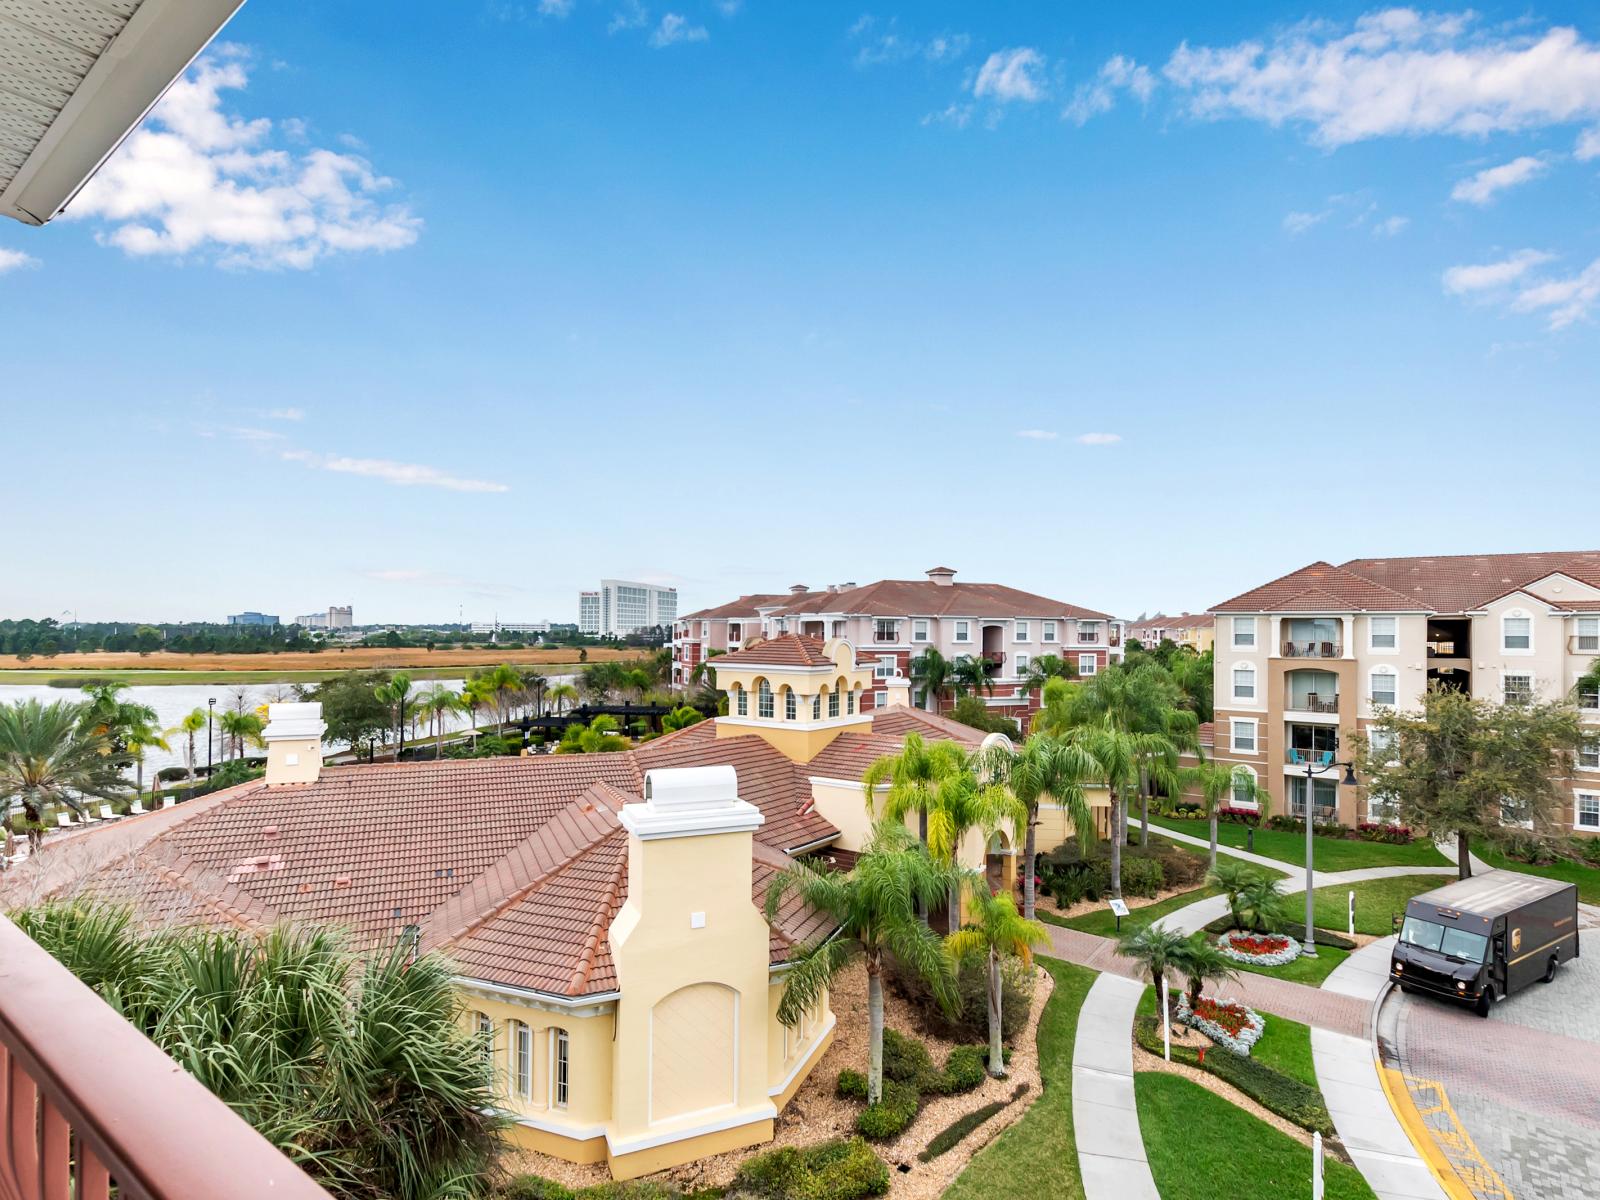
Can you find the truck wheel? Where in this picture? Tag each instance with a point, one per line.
(1550, 971)
(1484, 1002)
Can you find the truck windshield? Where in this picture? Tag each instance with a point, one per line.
(1457, 943)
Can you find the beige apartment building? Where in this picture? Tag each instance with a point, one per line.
(1304, 663)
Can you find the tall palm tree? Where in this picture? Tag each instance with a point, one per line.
(996, 932)
(48, 755)
(563, 696)
(1157, 949)
(241, 729)
(874, 910)
(438, 701)
(398, 695)
(144, 736)
(933, 673)
(1120, 755)
(972, 675)
(1218, 784)
(1052, 769)
(965, 800)
(1047, 667)
(913, 776)
(192, 723)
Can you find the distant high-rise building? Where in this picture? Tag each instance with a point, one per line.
(622, 606)
(589, 612)
(337, 617)
(511, 627)
(252, 618)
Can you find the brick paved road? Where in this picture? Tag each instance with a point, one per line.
(1523, 1086)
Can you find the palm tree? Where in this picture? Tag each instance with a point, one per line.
(438, 702)
(1119, 754)
(912, 775)
(1201, 961)
(600, 736)
(873, 910)
(397, 694)
(49, 755)
(932, 672)
(1145, 700)
(972, 676)
(1047, 667)
(563, 696)
(1232, 877)
(962, 802)
(996, 933)
(1219, 783)
(1254, 901)
(192, 723)
(242, 729)
(141, 737)
(1053, 769)
(1157, 949)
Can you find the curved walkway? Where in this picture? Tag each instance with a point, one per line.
(1104, 1114)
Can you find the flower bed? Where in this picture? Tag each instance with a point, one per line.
(1226, 1022)
(1259, 949)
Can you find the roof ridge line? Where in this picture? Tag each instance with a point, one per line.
(600, 928)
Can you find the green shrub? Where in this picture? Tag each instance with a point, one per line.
(963, 1069)
(852, 1085)
(950, 1136)
(970, 1021)
(536, 1187)
(905, 1059)
(837, 1170)
(890, 1116)
(1267, 1086)
(630, 1189)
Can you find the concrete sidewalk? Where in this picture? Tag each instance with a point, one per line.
(1105, 1118)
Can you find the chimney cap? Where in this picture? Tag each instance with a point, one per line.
(689, 802)
(943, 576)
(299, 722)
(798, 589)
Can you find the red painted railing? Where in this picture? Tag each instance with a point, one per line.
(90, 1107)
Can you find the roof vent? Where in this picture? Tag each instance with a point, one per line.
(270, 831)
(341, 881)
(943, 576)
(798, 589)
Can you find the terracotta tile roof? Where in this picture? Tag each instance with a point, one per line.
(1445, 584)
(898, 722)
(744, 607)
(923, 597)
(850, 754)
(785, 650)
(514, 866)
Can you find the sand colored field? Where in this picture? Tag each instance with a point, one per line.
(354, 658)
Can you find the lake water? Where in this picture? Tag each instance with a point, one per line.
(173, 701)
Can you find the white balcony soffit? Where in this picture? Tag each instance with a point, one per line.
(76, 76)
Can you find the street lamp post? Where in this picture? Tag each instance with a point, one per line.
(1313, 770)
(211, 705)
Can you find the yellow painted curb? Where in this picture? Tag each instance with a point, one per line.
(1394, 1087)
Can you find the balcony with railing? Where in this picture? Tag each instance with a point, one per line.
(90, 1108)
(1311, 692)
(886, 632)
(993, 660)
(1312, 648)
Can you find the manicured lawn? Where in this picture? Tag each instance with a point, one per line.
(1587, 878)
(1038, 1156)
(1201, 1147)
(1376, 901)
(1286, 1045)
(1333, 854)
(1101, 922)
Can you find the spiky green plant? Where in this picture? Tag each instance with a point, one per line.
(874, 910)
(50, 755)
(1201, 961)
(356, 1066)
(994, 930)
(1155, 948)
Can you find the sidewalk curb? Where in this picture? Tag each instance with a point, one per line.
(1410, 1117)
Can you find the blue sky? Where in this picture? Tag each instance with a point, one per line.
(466, 311)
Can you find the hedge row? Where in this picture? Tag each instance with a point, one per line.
(950, 1136)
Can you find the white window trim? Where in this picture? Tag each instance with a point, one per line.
(919, 629)
(1021, 663)
(1088, 664)
(1533, 682)
(1576, 796)
(1374, 649)
(1389, 673)
(1021, 630)
(879, 700)
(1233, 799)
(520, 1033)
(1233, 735)
(1578, 762)
(1516, 614)
(1234, 640)
(957, 634)
(1047, 632)
(560, 1048)
(1578, 634)
(1254, 689)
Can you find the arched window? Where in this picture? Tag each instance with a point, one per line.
(764, 700)
(560, 1074)
(851, 700)
(484, 1028)
(741, 701)
(790, 705)
(521, 1049)
(816, 707)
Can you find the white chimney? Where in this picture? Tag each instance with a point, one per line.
(897, 691)
(689, 802)
(943, 576)
(294, 743)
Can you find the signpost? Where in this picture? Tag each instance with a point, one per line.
(1316, 1166)
(1352, 913)
(1119, 909)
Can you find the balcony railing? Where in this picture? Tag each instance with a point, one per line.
(1298, 757)
(1448, 650)
(994, 658)
(1301, 649)
(1312, 702)
(90, 1107)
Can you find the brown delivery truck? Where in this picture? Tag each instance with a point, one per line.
(1482, 939)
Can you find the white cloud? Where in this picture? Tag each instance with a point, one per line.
(1483, 187)
(398, 473)
(1098, 439)
(1390, 226)
(881, 42)
(1395, 72)
(246, 434)
(1099, 95)
(440, 579)
(729, 8)
(1562, 300)
(1012, 75)
(1038, 435)
(12, 260)
(957, 115)
(632, 15)
(1299, 222)
(1482, 277)
(195, 180)
(675, 28)
(555, 8)
(1588, 146)
(285, 414)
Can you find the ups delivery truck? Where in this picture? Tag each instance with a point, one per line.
(1482, 939)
